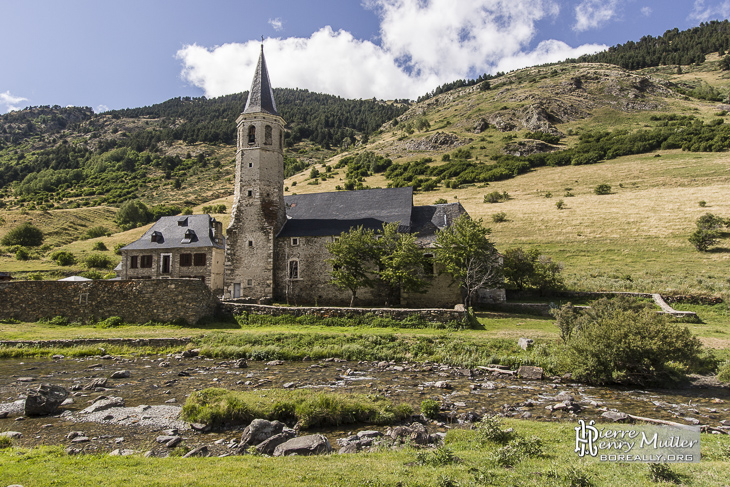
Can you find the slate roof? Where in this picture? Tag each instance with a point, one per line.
(321, 214)
(186, 231)
(261, 97)
(427, 219)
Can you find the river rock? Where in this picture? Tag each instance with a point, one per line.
(442, 384)
(104, 404)
(268, 446)
(350, 448)
(45, 400)
(525, 343)
(200, 427)
(99, 382)
(304, 445)
(369, 434)
(241, 363)
(121, 374)
(275, 362)
(415, 433)
(201, 451)
(530, 373)
(3, 414)
(615, 416)
(11, 434)
(121, 453)
(260, 430)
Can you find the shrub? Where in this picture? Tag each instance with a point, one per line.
(440, 201)
(5, 442)
(430, 408)
(516, 450)
(132, 214)
(26, 235)
(187, 211)
(437, 458)
(490, 429)
(528, 269)
(602, 189)
(111, 322)
(496, 197)
(92, 274)
(702, 239)
(703, 203)
(98, 261)
(499, 217)
(95, 232)
(549, 194)
(118, 248)
(100, 246)
(63, 258)
(560, 204)
(621, 340)
(723, 372)
(22, 254)
(661, 472)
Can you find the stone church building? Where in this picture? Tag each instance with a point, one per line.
(275, 244)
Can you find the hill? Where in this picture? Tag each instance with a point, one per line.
(525, 139)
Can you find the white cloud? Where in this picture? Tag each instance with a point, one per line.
(9, 103)
(101, 109)
(422, 44)
(277, 24)
(715, 11)
(591, 14)
(646, 11)
(550, 51)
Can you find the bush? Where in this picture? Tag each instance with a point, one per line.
(430, 408)
(528, 269)
(100, 246)
(702, 203)
(5, 442)
(490, 429)
(499, 217)
(99, 261)
(496, 197)
(118, 248)
(63, 258)
(621, 340)
(187, 211)
(132, 214)
(560, 204)
(95, 232)
(661, 472)
(22, 254)
(723, 372)
(92, 274)
(26, 235)
(702, 239)
(440, 201)
(602, 189)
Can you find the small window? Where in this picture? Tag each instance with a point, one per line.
(249, 282)
(294, 241)
(251, 135)
(293, 269)
(268, 135)
(249, 193)
(165, 261)
(250, 243)
(145, 261)
(157, 237)
(428, 269)
(335, 239)
(186, 260)
(250, 164)
(133, 262)
(199, 259)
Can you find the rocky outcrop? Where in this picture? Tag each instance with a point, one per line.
(438, 141)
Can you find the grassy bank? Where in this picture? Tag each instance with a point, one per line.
(464, 461)
(309, 408)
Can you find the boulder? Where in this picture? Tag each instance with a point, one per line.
(11, 434)
(45, 400)
(615, 416)
(241, 363)
(304, 445)
(104, 404)
(525, 343)
(201, 451)
(268, 446)
(99, 382)
(121, 374)
(529, 372)
(260, 430)
(415, 433)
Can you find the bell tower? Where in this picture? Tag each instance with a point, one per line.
(258, 206)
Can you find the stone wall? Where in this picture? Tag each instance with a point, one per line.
(135, 301)
(429, 314)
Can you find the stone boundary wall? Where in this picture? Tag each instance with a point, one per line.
(83, 342)
(429, 314)
(135, 301)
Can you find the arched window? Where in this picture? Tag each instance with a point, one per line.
(268, 135)
(251, 135)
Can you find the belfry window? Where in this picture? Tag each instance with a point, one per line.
(268, 135)
(251, 135)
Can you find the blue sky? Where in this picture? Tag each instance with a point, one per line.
(113, 54)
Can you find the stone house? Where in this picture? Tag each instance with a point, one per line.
(185, 246)
(275, 246)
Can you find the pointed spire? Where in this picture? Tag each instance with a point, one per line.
(261, 95)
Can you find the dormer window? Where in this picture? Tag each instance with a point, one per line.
(189, 236)
(157, 237)
(251, 135)
(182, 222)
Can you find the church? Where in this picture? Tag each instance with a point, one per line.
(276, 244)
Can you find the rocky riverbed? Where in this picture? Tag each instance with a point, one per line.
(124, 405)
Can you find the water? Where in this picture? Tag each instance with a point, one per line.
(469, 390)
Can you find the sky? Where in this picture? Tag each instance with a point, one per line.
(113, 54)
